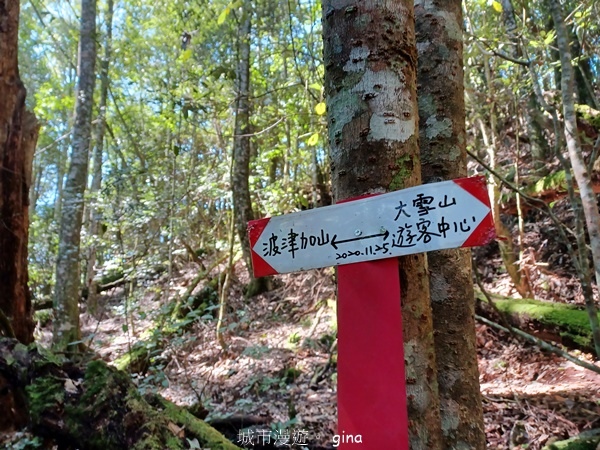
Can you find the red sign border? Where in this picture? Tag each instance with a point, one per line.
(259, 265)
(483, 234)
(485, 231)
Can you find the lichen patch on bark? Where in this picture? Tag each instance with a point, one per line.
(392, 116)
(436, 128)
(451, 418)
(438, 286)
(450, 21)
(357, 62)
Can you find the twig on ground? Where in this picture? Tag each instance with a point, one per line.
(541, 344)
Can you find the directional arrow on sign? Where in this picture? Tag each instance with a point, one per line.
(429, 217)
(335, 241)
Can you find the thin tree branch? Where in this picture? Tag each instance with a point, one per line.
(540, 343)
(521, 62)
(493, 52)
(264, 130)
(132, 139)
(49, 28)
(594, 154)
(56, 141)
(283, 88)
(294, 52)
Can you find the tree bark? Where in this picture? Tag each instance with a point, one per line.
(18, 137)
(443, 157)
(66, 295)
(582, 176)
(241, 142)
(370, 86)
(583, 72)
(94, 214)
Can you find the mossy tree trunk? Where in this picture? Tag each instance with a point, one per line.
(66, 291)
(18, 137)
(370, 85)
(443, 157)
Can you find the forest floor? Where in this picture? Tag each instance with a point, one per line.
(278, 370)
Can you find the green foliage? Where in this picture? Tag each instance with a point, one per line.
(553, 181)
(43, 316)
(290, 375)
(295, 338)
(23, 441)
(44, 394)
(170, 116)
(577, 443)
(227, 11)
(256, 351)
(259, 384)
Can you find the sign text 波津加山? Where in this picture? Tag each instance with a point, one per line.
(429, 217)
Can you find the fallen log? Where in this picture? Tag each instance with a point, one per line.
(588, 440)
(556, 322)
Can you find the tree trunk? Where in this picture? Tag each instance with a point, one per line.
(94, 214)
(18, 137)
(582, 176)
(583, 72)
(66, 295)
(443, 157)
(536, 121)
(60, 182)
(241, 142)
(36, 185)
(370, 85)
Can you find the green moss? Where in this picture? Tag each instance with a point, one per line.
(589, 114)
(134, 361)
(405, 166)
(573, 322)
(101, 386)
(574, 444)
(210, 437)
(111, 277)
(44, 394)
(104, 410)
